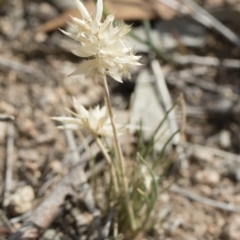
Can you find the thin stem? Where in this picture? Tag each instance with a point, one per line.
(119, 156)
(113, 170)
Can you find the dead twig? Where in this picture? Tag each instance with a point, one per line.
(16, 65)
(46, 212)
(67, 161)
(217, 152)
(175, 6)
(203, 17)
(8, 224)
(9, 163)
(21, 218)
(206, 61)
(165, 98)
(84, 187)
(193, 196)
(188, 77)
(106, 228)
(99, 167)
(6, 118)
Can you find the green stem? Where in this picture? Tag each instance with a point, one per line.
(119, 157)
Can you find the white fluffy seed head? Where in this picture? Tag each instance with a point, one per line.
(96, 120)
(104, 43)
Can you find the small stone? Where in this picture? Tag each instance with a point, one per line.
(46, 11)
(21, 201)
(50, 234)
(205, 189)
(27, 127)
(32, 166)
(164, 198)
(202, 156)
(234, 169)
(232, 230)
(6, 108)
(56, 166)
(225, 139)
(208, 177)
(17, 225)
(40, 37)
(29, 155)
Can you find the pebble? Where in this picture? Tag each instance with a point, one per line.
(29, 155)
(46, 11)
(225, 139)
(27, 127)
(209, 177)
(56, 166)
(40, 37)
(22, 200)
(202, 156)
(232, 229)
(50, 234)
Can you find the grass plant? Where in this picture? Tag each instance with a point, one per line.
(130, 185)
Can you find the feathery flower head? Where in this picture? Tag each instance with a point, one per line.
(102, 42)
(95, 120)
